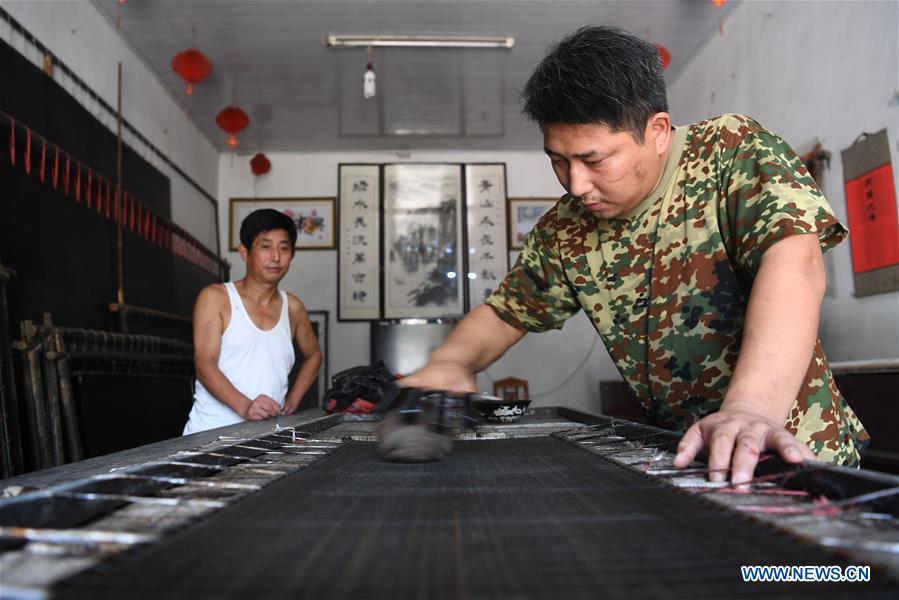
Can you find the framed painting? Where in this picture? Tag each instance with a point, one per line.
(523, 215)
(315, 219)
(319, 321)
(422, 256)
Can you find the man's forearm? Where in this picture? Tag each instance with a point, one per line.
(479, 340)
(780, 330)
(222, 389)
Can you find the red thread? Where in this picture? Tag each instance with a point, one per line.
(108, 185)
(99, 196)
(12, 141)
(56, 168)
(90, 176)
(65, 181)
(78, 183)
(43, 169)
(28, 151)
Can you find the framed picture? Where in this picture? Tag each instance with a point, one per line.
(315, 218)
(319, 319)
(319, 322)
(523, 215)
(423, 266)
(488, 254)
(359, 260)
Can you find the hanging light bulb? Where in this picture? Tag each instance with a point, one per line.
(368, 79)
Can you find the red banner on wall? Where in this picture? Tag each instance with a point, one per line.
(873, 220)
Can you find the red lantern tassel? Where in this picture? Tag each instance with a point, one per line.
(99, 196)
(90, 175)
(154, 228)
(43, 169)
(108, 185)
(12, 141)
(147, 225)
(140, 212)
(28, 151)
(56, 168)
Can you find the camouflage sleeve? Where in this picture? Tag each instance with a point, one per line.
(536, 295)
(768, 194)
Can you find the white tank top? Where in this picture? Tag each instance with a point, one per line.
(254, 361)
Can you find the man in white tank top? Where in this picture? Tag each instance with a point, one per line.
(244, 333)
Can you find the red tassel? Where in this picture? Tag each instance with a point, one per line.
(147, 225)
(56, 168)
(28, 151)
(99, 196)
(77, 182)
(43, 159)
(108, 185)
(12, 141)
(115, 207)
(90, 176)
(65, 181)
(154, 228)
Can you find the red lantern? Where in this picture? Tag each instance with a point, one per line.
(260, 164)
(664, 55)
(232, 120)
(192, 66)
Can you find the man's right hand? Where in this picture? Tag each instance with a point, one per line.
(441, 376)
(261, 408)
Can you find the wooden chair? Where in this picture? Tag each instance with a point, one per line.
(511, 388)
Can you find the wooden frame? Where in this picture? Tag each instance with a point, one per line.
(316, 219)
(523, 214)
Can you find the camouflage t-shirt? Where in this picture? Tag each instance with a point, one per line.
(667, 284)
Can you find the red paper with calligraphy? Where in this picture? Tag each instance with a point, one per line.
(873, 220)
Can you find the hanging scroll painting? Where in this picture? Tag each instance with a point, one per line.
(423, 241)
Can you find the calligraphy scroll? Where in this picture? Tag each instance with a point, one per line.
(359, 283)
(488, 255)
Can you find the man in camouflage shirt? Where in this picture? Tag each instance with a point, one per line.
(696, 252)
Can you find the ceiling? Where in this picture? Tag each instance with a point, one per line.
(269, 59)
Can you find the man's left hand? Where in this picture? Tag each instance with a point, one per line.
(734, 438)
(289, 408)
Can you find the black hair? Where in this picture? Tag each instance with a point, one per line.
(267, 219)
(598, 74)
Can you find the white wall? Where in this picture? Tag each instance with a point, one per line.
(568, 364)
(88, 44)
(811, 69)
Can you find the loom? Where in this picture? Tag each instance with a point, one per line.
(561, 504)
